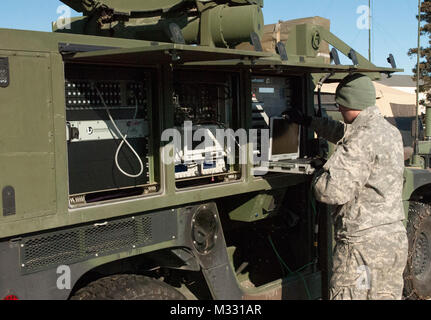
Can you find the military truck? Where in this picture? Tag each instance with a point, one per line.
(416, 196)
(106, 195)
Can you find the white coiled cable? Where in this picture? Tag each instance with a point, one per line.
(124, 140)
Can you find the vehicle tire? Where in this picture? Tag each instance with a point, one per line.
(417, 275)
(127, 287)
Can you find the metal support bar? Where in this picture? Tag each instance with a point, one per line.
(175, 34)
(341, 46)
(391, 61)
(352, 56)
(281, 50)
(255, 40)
(335, 57)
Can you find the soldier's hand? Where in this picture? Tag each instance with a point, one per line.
(296, 116)
(318, 163)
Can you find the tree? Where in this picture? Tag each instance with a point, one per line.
(425, 54)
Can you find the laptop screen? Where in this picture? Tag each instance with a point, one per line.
(284, 140)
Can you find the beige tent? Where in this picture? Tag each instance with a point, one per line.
(391, 102)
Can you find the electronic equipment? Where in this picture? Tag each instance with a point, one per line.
(205, 104)
(108, 132)
(203, 158)
(274, 95)
(284, 140)
(284, 150)
(271, 96)
(294, 166)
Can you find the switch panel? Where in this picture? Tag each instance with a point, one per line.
(82, 95)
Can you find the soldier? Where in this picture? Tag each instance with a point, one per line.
(364, 180)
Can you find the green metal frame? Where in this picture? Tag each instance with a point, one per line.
(45, 45)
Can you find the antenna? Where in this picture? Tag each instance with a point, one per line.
(369, 30)
(418, 68)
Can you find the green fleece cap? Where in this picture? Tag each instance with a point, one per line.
(356, 91)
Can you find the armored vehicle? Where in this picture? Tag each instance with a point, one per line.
(142, 154)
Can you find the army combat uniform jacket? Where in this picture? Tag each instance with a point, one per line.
(364, 180)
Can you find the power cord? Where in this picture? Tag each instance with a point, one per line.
(124, 140)
(280, 259)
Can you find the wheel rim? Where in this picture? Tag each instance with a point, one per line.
(421, 257)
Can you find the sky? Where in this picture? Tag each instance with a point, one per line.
(394, 24)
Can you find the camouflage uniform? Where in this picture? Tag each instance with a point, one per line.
(364, 179)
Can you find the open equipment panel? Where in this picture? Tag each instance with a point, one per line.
(111, 108)
(205, 105)
(284, 151)
(108, 113)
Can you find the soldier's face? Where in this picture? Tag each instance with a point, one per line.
(349, 115)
